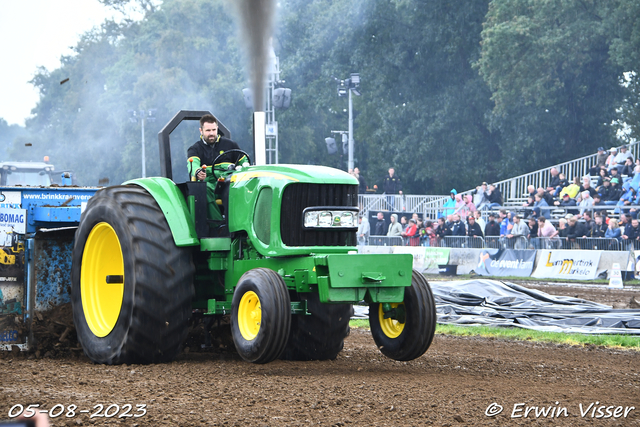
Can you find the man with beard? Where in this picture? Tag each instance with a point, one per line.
(204, 152)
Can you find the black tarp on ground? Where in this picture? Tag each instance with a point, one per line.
(495, 303)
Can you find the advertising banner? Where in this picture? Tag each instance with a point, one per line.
(570, 265)
(418, 253)
(13, 221)
(436, 256)
(12, 294)
(10, 199)
(506, 262)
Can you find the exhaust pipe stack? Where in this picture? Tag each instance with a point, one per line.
(259, 138)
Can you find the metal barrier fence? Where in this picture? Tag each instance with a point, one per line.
(385, 241)
(599, 244)
(462, 242)
(516, 242)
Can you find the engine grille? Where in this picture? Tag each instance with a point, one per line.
(297, 197)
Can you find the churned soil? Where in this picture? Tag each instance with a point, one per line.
(459, 381)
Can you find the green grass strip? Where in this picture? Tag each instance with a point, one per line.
(609, 341)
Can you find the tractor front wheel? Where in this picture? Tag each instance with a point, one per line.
(260, 315)
(131, 285)
(405, 330)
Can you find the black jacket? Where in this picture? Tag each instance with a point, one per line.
(563, 182)
(609, 193)
(598, 230)
(567, 204)
(362, 185)
(392, 185)
(208, 153)
(631, 233)
(578, 230)
(629, 170)
(492, 229)
(458, 229)
(495, 197)
(380, 228)
(474, 230)
(442, 231)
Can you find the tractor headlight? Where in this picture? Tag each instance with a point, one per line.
(330, 218)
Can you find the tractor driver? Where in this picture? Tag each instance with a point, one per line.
(204, 152)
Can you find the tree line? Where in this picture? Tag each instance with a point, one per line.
(453, 92)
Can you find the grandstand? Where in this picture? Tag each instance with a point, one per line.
(514, 192)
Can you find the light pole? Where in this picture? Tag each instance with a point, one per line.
(352, 84)
(143, 115)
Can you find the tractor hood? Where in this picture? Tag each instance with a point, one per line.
(268, 203)
(295, 173)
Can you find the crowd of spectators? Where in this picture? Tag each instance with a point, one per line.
(566, 209)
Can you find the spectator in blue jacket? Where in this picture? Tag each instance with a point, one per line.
(458, 228)
(613, 232)
(540, 207)
(505, 225)
(628, 198)
(450, 205)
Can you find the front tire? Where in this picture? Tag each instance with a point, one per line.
(410, 338)
(260, 315)
(131, 285)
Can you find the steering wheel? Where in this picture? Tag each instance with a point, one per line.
(233, 150)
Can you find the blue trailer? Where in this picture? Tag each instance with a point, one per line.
(37, 227)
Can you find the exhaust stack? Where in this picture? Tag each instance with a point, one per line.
(260, 137)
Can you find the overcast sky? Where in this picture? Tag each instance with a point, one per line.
(37, 33)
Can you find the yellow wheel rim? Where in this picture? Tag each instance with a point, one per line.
(249, 315)
(102, 279)
(390, 327)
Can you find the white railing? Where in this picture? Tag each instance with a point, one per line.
(514, 188)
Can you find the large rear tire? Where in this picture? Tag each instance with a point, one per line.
(408, 339)
(320, 335)
(260, 315)
(131, 285)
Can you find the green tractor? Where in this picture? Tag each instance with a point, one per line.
(283, 265)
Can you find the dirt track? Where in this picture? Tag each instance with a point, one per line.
(454, 383)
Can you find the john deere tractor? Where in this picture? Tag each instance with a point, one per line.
(283, 265)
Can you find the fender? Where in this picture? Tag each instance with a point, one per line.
(172, 202)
